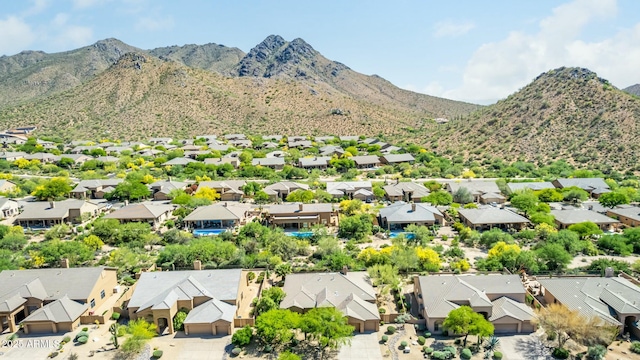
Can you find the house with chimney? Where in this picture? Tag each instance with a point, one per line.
(405, 191)
(361, 190)
(94, 189)
(483, 191)
(153, 214)
(486, 218)
(224, 215)
(280, 190)
(301, 216)
(318, 162)
(400, 214)
(45, 214)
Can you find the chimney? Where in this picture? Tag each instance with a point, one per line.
(608, 272)
(197, 265)
(64, 263)
(413, 207)
(344, 270)
(52, 204)
(300, 206)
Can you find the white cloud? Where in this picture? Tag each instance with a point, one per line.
(37, 7)
(448, 28)
(17, 35)
(60, 19)
(81, 4)
(72, 36)
(500, 68)
(154, 24)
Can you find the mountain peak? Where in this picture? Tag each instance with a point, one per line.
(571, 73)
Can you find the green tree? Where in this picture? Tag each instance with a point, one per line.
(129, 190)
(585, 229)
(327, 326)
(554, 256)
(66, 163)
(525, 201)
(438, 197)
(242, 337)
(93, 242)
(286, 355)
(355, 227)
(574, 194)
(283, 270)
(613, 199)
(465, 321)
(549, 195)
(277, 326)
(178, 319)
(303, 196)
(261, 197)
(141, 331)
(55, 188)
(463, 196)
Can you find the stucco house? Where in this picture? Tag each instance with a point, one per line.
(152, 214)
(400, 214)
(299, 216)
(491, 217)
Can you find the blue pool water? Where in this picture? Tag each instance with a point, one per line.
(207, 232)
(407, 235)
(301, 234)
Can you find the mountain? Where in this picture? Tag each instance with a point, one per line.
(633, 89)
(211, 57)
(188, 90)
(34, 74)
(566, 113)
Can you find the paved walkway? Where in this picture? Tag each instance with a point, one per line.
(363, 347)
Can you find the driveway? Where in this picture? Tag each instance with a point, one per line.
(523, 347)
(363, 347)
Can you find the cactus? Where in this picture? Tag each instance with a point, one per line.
(113, 329)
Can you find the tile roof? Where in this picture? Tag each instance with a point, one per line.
(42, 210)
(575, 216)
(140, 211)
(588, 184)
(399, 189)
(211, 311)
(514, 186)
(491, 215)
(401, 212)
(61, 310)
(314, 161)
(631, 212)
(232, 211)
(505, 306)
(474, 186)
(292, 208)
(397, 158)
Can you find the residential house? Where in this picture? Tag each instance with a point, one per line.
(349, 292)
(78, 159)
(512, 187)
(405, 191)
(361, 190)
(275, 163)
(477, 188)
(7, 186)
(318, 162)
(594, 186)
(626, 214)
(566, 218)
(94, 189)
(331, 150)
(300, 144)
(268, 145)
(391, 159)
(117, 149)
(160, 140)
(229, 190)
(276, 154)
(209, 296)
(492, 198)
(324, 139)
(44, 158)
(366, 161)
(12, 156)
(241, 143)
(224, 215)
(281, 189)
(400, 214)
(272, 137)
(491, 217)
(107, 159)
(154, 215)
(235, 162)
(160, 190)
(45, 214)
(349, 138)
(235, 136)
(55, 300)
(298, 216)
(8, 207)
(499, 298)
(181, 161)
(615, 300)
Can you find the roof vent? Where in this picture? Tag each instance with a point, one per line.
(335, 293)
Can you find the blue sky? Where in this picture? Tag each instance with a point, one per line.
(470, 50)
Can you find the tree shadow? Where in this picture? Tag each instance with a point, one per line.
(532, 349)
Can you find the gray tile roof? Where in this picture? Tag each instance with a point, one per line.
(76, 283)
(631, 212)
(575, 216)
(140, 211)
(292, 208)
(366, 159)
(491, 215)
(211, 311)
(353, 294)
(61, 310)
(474, 186)
(595, 296)
(347, 186)
(179, 161)
(285, 186)
(42, 210)
(274, 161)
(221, 284)
(399, 189)
(397, 158)
(232, 211)
(401, 212)
(314, 161)
(587, 184)
(507, 307)
(443, 293)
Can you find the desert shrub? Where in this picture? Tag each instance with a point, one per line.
(421, 340)
(427, 350)
(451, 350)
(382, 310)
(551, 336)
(236, 351)
(85, 329)
(242, 337)
(385, 338)
(391, 329)
(268, 348)
(403, 344)
(157, 354)
(53, 354)
(427, 334)
(13, 336)
(596, 352)
(115, 316)
(497, 355)
(465, 354)
(635, 347)
(457, 341)
(66, 339)
(83, 339)
(560, 353)
(438, 355)
(81, 334)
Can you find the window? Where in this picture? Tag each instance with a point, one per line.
(102, 294)
(93, 303)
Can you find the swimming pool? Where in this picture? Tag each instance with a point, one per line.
(301, 234)
(407, 235)
(207, 232)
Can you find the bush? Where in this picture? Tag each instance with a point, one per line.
(13, 336)
(457, 341)
(66, 339)
(115, 316)
(385, 338)
(382, 310)
(465, 354)
(451, 350)
(403, 344)
(85, 329)
(83, 339)
(157, 354)
(81, 334)
(53, 354)
(596, 352)
(427, 350)
(497, 355)
(421, 340)
(268, 348)
(438, 355)
(427, 334)
(236, 351)
(560, 353)
(242, 337)
(391, 329)
(551, 336)
(635, 347)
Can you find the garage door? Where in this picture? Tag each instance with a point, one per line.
(506, 328)
(198, 329)
(527, 327)
(222, 329)
(371, 325)
(39, 328)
